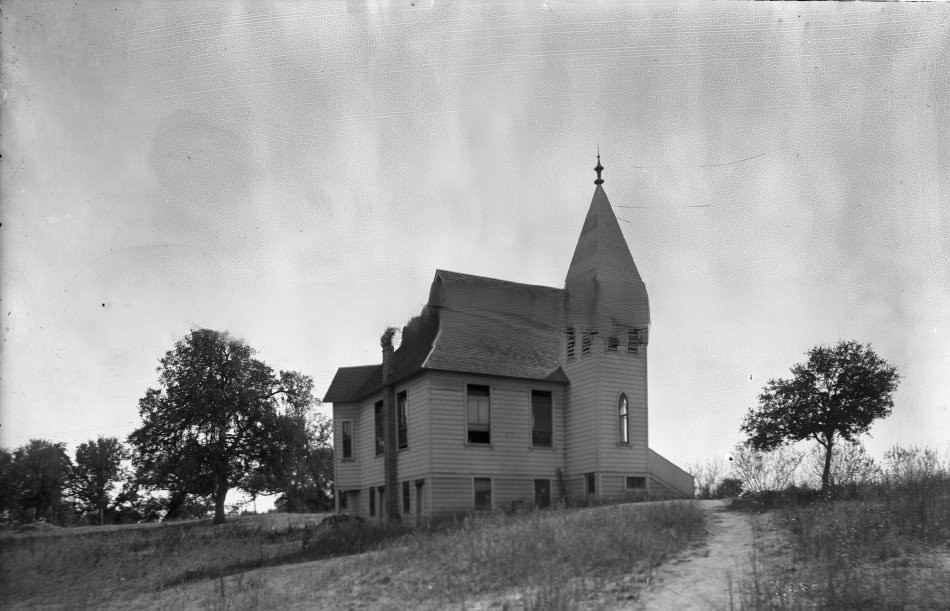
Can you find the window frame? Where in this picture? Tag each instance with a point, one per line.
(346, 436)
(549, 496)
(402, 420)
(612, 344)
(635, 479)
(550, 394)
(475, 492)
(468, 422)
(379, 428)
(372, 501)
(406, 498)
(623, 419)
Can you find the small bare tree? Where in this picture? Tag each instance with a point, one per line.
(760, 471)
(850, 464)
(707, 477)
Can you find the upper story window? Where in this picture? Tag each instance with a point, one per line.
(402, 422)
(478, 406)
(623, 417)
(346, 432)
(571, 344)
(542, 419)
(380, 428)
(636, 339)
(612, 344)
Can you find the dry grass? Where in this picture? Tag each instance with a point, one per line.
(541, 560)
(86, 567)
(877, 546)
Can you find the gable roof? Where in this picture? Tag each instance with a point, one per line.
(471, 324)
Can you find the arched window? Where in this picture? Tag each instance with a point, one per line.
(623, 418)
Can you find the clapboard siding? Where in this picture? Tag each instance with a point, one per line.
(347, 471)
(627, 374)
(664, 473)
(581, 418)
(413, 462)
(510, 450)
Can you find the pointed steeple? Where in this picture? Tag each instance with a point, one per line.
(598, 168)
(603, 283)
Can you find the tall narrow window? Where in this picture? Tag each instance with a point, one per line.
(342, 496)
(372, 502)
(623, 420)
(380, 428)
(587, 338)
(482, 493)
(542, 419)
(346, 431)
(405, 497)
(478, 403)
(402, 422)
(591, 483)
(571, 343)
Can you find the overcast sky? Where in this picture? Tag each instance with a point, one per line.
(295, 173)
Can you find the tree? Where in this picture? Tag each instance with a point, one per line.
(838, 392)
(39, 473)
(95, 472)
(219, 416)
(850, 464)
(760, 470)
(7, 487)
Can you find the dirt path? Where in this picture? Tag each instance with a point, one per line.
(700, 578)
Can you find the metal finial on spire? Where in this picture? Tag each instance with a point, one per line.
(599, 169)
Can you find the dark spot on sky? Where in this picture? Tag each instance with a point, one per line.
(103, 305)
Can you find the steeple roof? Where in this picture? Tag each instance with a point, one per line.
(603, 282)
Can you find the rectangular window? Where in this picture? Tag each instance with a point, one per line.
(405, 497)
(402, 425)
(636, 483)
(380, 428)
(542, 419)
(571, 343)
(612, 345)
(478, 404)
(587, 338)
(382, 501)
(342, 496)
(372, 502)
(591, 483)
(482, 493)
(346, 431)
(542, 493)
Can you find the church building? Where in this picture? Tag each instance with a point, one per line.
(503, 394)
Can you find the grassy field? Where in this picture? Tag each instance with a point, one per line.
(541, 560)
(884, 545)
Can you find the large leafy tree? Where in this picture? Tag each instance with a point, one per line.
(39, 474)
(836, 393)
(97, 468)
(219, 417)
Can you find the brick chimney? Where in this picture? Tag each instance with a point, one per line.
(389, 421)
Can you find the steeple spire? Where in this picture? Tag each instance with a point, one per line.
(599, 169)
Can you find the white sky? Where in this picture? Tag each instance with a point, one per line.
(294, 173)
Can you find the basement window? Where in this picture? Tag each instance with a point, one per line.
(478, 405)
(482, 491)
(636, 483)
